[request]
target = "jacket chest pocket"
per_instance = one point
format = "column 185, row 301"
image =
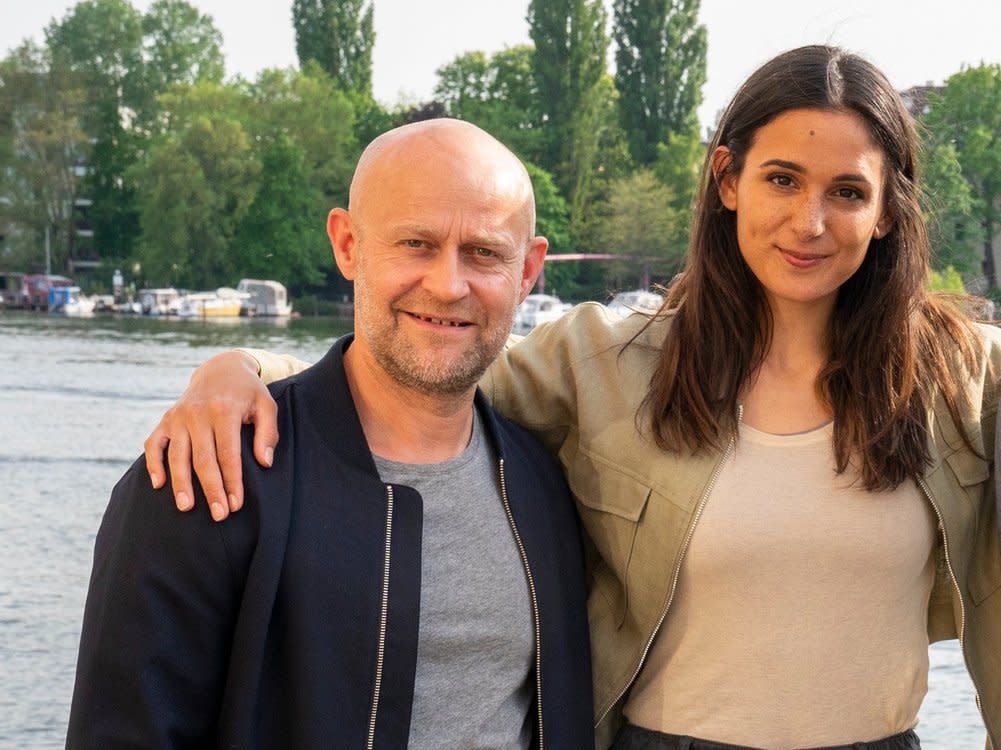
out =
column 977, row 484
column 611, row 505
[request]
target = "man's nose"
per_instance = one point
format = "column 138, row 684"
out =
column 446, row 276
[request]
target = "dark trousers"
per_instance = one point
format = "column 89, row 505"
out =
column 635, row 738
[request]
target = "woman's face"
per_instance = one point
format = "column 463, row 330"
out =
column 808, row 201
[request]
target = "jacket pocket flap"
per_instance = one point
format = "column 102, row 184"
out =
column 969, row 469
column 602, row 485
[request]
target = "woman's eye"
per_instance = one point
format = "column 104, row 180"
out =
column 782, row 180
column 850, row 193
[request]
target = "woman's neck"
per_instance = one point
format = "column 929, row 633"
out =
column 782, row 396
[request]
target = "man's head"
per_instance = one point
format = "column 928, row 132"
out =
column 439, row 241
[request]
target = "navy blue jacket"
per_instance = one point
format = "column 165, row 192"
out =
column 272, row 630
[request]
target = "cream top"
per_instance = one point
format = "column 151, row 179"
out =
column 799, row 618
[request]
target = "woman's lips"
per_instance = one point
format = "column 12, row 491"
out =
column 801, row 260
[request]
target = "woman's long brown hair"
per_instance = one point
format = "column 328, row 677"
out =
column 894, row 347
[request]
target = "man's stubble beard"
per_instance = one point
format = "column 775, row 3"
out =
column 425, row 369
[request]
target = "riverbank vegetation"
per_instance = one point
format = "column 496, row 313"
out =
column 123, row 144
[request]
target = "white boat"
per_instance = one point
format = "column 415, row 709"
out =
column 639, row 300
column 267, row 297
column 68, row 300
column 224, row 302
column 537, row 309
column 165, row 301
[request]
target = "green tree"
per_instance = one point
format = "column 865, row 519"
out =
column 660, row 68
column 308, row 107
column 498, row 93
column 126, row 61
column 181, row 46
column 949, row 212
column 552, row 217
column 677, row 167
column 946, row 280
column 641, row 224
column 282, row 235
column 42, row 148
column 195, row 190
column 967, row 114
column 339, row 35
column 101, row 41
column 571, row 48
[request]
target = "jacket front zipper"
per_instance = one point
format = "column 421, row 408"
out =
column 534, row 598
column 959, row 594
column 677, row 569
column 383, row 617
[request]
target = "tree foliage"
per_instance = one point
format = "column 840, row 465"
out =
column 181, row 46
column 498, row 93
column 641, row 224
column 126, row 61
column 339, row 35
column 308, row 107
column 571, row 47
column 282, row 235
column 43, row 148
column 949, row 212
column 967, row 115
column 194, row 191
column 660, row 68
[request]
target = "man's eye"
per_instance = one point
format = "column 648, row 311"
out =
column 413, row 243
column 483, row 252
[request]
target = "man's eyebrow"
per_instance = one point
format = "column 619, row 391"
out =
column 799, row 169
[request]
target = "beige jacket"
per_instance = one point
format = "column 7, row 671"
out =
column 576, row 385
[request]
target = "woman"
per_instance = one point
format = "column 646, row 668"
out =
column 784, row 474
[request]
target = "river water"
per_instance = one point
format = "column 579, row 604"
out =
column 77, row 398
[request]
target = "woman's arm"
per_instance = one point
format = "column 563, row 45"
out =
column 534, row 382
column 202, row 430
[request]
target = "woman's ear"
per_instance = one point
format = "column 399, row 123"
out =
column 726, row 181
column 883, row 227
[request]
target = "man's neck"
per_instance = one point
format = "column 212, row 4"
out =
column 405, row 425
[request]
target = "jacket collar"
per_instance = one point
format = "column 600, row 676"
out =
column 332, row 412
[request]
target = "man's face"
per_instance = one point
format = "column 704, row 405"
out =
column 440, row 251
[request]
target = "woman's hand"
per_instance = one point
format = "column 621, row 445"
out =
column 203, row 430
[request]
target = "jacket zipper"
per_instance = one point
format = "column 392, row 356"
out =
column 532, row 595
column 677, row 567
column 383, row 616
column 959, row 596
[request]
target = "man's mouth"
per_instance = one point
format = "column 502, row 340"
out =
column 441, row 321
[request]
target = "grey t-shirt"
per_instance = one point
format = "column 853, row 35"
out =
column 476, row 640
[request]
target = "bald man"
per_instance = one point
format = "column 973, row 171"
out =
column 408, row 573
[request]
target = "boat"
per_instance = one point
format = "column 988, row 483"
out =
column 68, row 300
column 267, row 297
column 163, row 301
column 224, row 302
column 638, row 300
column 537, row 309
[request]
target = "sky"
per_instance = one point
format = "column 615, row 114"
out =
column 913, row 41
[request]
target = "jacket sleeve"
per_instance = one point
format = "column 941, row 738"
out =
column 160, row 611
column 276, row 366
column 538, row 381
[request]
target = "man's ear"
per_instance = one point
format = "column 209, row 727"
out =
column 535, row 256
column 343, row 241
column 726, row 180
